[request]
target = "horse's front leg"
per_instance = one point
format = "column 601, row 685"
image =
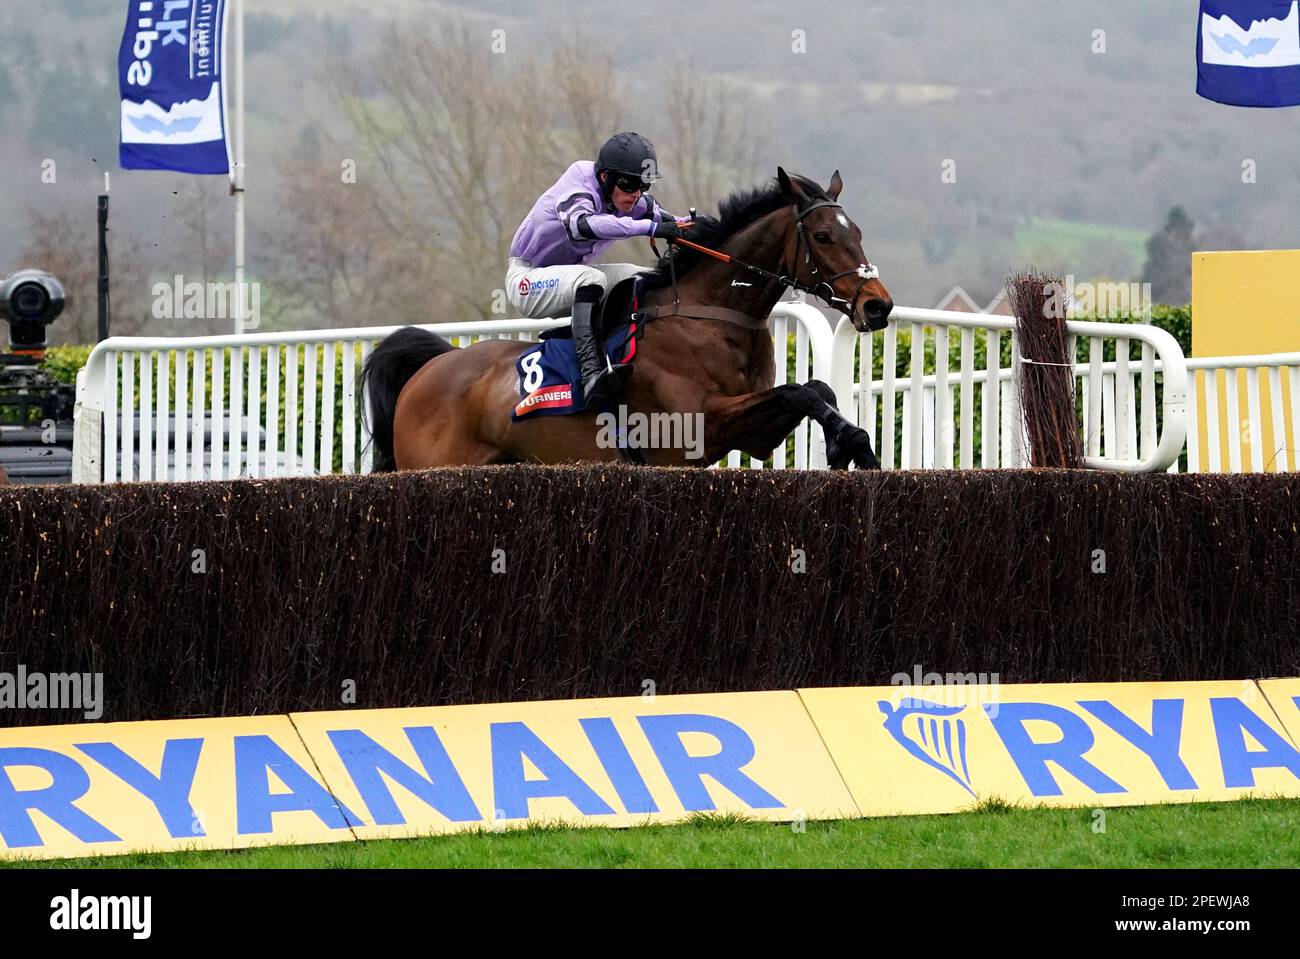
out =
column 757, row 423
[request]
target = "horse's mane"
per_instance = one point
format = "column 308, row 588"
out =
column 736, row 212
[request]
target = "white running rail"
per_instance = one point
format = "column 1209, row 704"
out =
column 277, row 404
column 288, row 404
column 1253, row 442
column 967, row 369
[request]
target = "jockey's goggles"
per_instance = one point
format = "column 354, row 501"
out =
column 631, row 184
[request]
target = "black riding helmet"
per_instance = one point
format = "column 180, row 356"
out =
column 629, row 154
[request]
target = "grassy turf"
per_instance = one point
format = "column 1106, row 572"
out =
column 1071, row 241
column 1245, row 833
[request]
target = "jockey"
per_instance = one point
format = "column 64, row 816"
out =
column 550, row 272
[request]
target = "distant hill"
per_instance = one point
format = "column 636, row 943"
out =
column 1063, row 155
column 1091, row 249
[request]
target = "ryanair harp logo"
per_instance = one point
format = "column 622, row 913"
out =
column 933, row 733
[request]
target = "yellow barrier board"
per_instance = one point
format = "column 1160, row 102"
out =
column 612, row 762
column 1242, row 305
column 1283, row 696
column 928, row 749
column 1242, row 302
column 103, row 789
column 111, row 788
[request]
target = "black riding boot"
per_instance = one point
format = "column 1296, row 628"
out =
column 601, row 381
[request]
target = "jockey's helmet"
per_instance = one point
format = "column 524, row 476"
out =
column 630, row 155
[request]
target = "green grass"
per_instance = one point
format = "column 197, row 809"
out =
column 1072, row 240
column 1245, row 833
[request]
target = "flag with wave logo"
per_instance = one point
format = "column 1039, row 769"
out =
column 1248, row 52
column 170, row 72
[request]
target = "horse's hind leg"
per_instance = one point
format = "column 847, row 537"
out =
column 758, row 422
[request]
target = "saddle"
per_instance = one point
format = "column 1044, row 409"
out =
column 615, row 310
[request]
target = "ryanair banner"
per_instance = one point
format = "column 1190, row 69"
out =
column 170, row 74
column 612, row 762
column 340, row 776
column 934, row 749
column 1248, row 52
column 101, row 789
column 104, row 789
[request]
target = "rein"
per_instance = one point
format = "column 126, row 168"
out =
column 864, row 270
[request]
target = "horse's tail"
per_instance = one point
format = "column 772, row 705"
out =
column 394, row 361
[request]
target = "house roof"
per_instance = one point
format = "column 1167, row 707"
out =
column 959, row 301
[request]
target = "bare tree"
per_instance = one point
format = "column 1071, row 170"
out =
column 453, row 142
column 462, row 140
column 197, row 220
column 589, row 95
column 337, row 259
column 712, row 146
column 64, row 244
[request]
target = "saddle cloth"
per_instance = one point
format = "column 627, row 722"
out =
column 550, row 378
column 550, row 381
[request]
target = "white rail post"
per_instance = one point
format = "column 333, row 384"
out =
column 1173, row 368
column 88, row 422
column 821, row 347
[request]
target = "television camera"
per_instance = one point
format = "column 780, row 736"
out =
column 35, row 410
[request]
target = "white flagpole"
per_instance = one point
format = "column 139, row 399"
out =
column 237, row 151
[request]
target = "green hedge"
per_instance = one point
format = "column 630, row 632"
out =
column 63, row 362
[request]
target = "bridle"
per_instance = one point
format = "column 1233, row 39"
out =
column 813, row 263
column 864, row 270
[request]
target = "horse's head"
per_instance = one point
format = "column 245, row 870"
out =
column 828, row 258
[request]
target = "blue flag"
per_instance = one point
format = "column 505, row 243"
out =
column 1248, row 52
column 170, row 72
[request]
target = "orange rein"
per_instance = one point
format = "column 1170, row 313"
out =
column 724, row 257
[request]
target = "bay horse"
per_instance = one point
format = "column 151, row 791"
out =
column 707, row 350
